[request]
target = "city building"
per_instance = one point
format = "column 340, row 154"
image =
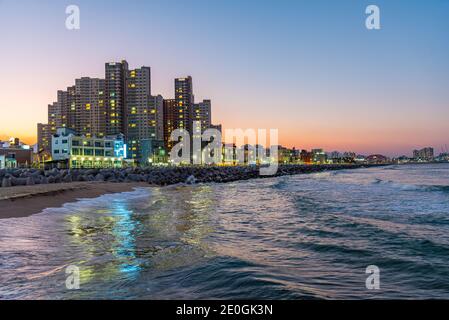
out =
column 89, row 114
column 169, row 116
column 16, row 156
column 115, row 99
column 425, row 154
column 144, row 113
column 43, row 137
column 443, row 157
column 72, row 151
column 285, row 155
column 319, row 156
column 153, row 152
column 306, row 156
column 55, row 116
column 377, row 159
column 184, row 103
column 202, row 113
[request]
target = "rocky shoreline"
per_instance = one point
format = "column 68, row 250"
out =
column 160, row 176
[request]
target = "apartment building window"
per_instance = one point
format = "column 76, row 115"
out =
column 99, row 152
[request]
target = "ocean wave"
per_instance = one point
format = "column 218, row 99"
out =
column 439, row 188
column 100, row 202
column 397, row 185
column 412, row 187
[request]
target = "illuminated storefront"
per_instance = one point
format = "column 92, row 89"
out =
column 88, row 152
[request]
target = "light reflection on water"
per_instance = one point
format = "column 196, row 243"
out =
column 306, row 236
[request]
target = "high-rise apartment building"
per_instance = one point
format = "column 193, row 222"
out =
column 115, row 99
column 169, row 120
column 43, row 138
column 55, row 116
column 202, row 113
column 184, row 102
column 90, row 113
column 60, row 113
column 144, row 113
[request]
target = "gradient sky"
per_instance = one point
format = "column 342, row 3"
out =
column 309, row 68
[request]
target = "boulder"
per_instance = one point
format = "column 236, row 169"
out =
column 99, row 177
column 30, row 181
column 191, row 179
column 6, row 182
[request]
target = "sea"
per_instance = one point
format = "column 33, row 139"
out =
column 312, row 236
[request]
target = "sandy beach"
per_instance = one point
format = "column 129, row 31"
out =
column 23, row 201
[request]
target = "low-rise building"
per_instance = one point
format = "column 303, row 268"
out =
column 16, row 156
column 377, row 159
column 306, row 157
column 72, row 151
column 319, row 156
column 425, row 154
column 152, row 152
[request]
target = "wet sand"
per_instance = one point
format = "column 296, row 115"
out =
column 23, row 201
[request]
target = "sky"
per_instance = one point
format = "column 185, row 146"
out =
column 308, row 68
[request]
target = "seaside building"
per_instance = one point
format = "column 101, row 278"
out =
column 319, row 156
column 144, row 114
column 184, row 102
column 89, row 114
column 43, row 138
column 72, row 151
column 202, row 113
column 55, row 116
column 376, row 159
column 285, row 155
column 16, row 156
column 443, row 157
column 169, row 116
column 306, row 156
column 115, row 99
column 425, row 154
column 153, row 152
column 61, row 113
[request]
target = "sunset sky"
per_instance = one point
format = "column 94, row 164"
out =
column 309, row 68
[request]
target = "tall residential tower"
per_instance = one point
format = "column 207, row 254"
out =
column 115, row 91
